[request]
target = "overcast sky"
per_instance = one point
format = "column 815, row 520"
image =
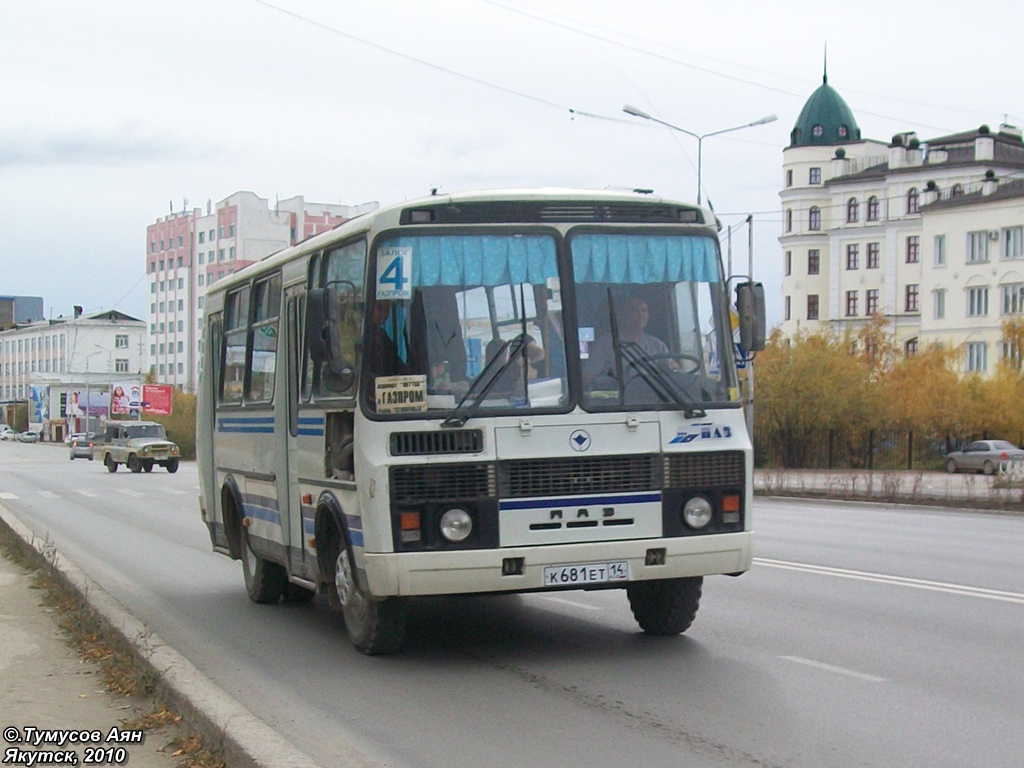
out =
column 115, row 109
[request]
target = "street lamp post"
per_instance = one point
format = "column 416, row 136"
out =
column 636, row 112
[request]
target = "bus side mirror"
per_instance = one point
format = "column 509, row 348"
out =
column 325, row 309
column 750, row 308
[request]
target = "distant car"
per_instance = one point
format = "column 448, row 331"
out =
column 28, row 436
column 983, row 456
column 6, row 433
column 81, row 446
column 140, row 445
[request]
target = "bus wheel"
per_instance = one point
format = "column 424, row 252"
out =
column 134, row 464
column 111, row 464
column 264, row 581
column 666, row 606
column 374, row 626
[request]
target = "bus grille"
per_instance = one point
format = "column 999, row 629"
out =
column 694, row 470
column 436, row 443
column 594, row 474
column 442, row 482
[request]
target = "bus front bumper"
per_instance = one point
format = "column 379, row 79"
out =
column 522, row 569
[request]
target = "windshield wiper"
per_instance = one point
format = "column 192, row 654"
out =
column 663, row 385
column 462, row 412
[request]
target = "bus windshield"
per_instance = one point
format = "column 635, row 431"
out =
column 474, row 323
column 653, row 324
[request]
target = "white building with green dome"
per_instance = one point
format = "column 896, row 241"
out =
column 926, row 233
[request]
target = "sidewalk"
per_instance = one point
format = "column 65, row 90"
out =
column 46, row 686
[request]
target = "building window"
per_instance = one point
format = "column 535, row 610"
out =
column 851, row 303
column 853, row 256
column 812, row 307
column 121, row 341
column 1013, row 243
column 871, row 302
column 789, row 178
column 121, row 365
column 220, row 254
column 873, row 251
column 789, row 263
column 911, row 295
column 977, row 247
column 913, row 201
column 1013, row 298
column 913, row 249
column 872, row 208
column 200, row 278
column 813, row 261
column 202, row 237
column 910, row 348
column 957, row 191
column 940, row 250
column 1012, row 354
column 817, row 130
column 201, row 257
column 220, row 231
column 789, row 220
column 814, row 218
column 939, row 299
column 977, row 302
column 814, row 177
column 852, row 210
column 788, row 305
column 231, row 253
column 977, row 357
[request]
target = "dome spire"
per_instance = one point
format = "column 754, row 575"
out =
column 824, row 78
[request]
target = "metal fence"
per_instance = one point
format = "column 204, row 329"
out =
column 857, row 448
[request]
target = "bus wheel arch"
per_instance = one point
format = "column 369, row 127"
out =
column 375, row 626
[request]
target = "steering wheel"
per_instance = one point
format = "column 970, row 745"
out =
column 695, row 363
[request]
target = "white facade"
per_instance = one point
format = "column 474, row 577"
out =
column 46, row 361
column 892, row 236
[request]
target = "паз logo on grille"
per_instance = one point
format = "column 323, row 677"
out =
column 579, row 440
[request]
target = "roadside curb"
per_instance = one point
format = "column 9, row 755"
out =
column 227, row 726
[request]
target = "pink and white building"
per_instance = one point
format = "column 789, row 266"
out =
column 190, row 250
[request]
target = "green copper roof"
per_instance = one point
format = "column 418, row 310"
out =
column 825, row 119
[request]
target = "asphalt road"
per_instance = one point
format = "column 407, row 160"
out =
column 864, row 636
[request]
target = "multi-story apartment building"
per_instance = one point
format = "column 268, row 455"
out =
column 188, row 251
column 53, row 364
column 925, row 233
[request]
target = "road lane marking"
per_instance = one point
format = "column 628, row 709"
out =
column 5, row 495
column 49, row 495
column 899, row 581
column 130, row 492
column 89, row 494
column 835, row 669
column 572, row 603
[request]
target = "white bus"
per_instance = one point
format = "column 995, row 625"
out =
column 482, row 393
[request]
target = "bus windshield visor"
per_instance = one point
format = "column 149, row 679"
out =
column 654, row 325
column 469, row 320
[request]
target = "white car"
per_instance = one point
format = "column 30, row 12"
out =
column 6, row 433
column 28, row 436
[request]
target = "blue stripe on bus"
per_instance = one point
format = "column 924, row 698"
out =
column 311, row 432
column 312, row 426
column 251, row 425
column 574, row 501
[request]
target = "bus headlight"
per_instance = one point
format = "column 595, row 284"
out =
column 456, row 525
column 697, row 512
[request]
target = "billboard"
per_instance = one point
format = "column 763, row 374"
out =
column 125, row 399
column 157, row 398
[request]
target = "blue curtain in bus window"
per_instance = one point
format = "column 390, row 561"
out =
column 479, row 259
column 644, row 259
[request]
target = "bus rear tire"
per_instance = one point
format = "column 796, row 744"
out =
column 375, row 627
column 264, row 581
column 665, row 606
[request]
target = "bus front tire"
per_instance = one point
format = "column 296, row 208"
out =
column 665, row 606
column 264, row 581
column 375, row 627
